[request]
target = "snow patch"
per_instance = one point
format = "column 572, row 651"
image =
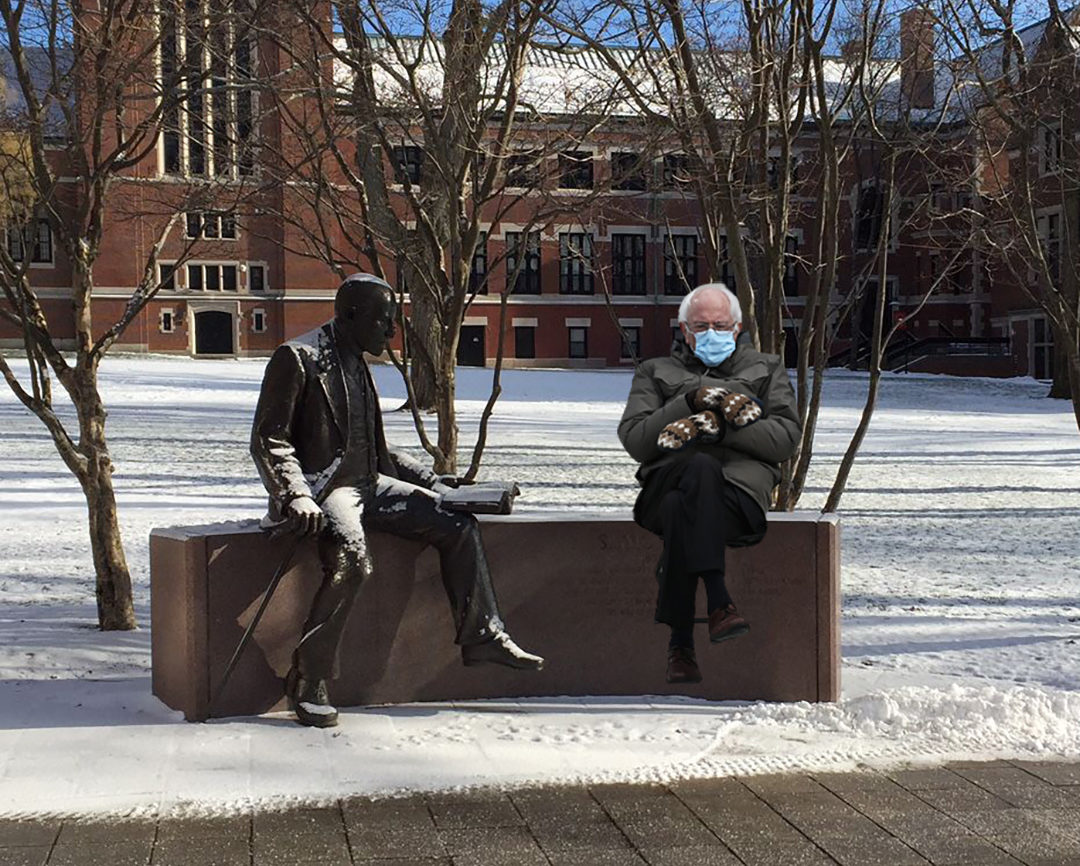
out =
column 960, row 624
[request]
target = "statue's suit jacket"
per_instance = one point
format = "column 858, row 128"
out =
column 301, row 423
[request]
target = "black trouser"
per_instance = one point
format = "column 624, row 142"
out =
column 408, row 511
column 697, row 512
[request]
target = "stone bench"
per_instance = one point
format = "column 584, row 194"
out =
column 578, row 588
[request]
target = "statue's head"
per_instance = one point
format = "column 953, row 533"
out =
column 364, row 309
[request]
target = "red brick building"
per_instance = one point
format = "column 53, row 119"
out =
column 245, row 286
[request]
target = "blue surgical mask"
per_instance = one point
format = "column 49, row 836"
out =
column 714, row 347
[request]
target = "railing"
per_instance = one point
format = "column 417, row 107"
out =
column 905, row 350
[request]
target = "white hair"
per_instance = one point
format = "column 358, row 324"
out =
column 736, row 307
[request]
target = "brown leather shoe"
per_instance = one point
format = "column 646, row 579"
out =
column 682, row 665
column 726, row 623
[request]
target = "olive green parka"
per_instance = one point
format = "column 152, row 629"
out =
column 750, row 455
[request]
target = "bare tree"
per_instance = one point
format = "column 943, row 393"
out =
column 87, row 106
column 1020, row 84
column 410, row 131
column 763, row 120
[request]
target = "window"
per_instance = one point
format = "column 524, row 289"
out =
column 167, row 276
column 868, row 218
column 627, row 171
column 631, row 343
column 408, row 164
column 256, row 278
column 575, row 264
column 524, row 341
column 772, row 171
column 211, row 226
column 35, row 236
column 211, row 278
column 170, row 88
column 725, row 261
column 676, row 171
column 1042, row 349
column 791, row 266
column 210, row 73
column 933, row 269
column 528, row 279
column 523, row 169
column 1049, row 148
column 576, row 169
column 192, row 72
column 940, row 198
column 478, row 169
column 258, row 321
column 579, row 342
column 627, row 264
column 680, row 264
column 244, row 61
column 1049, row 228
column 478, row 271
column 165, row 321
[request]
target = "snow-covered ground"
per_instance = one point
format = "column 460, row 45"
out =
column 960, row 623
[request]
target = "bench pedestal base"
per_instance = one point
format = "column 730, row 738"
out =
column 579, row 590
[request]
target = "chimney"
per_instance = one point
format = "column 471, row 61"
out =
column 917, row 57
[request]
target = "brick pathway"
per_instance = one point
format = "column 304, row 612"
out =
column 985, row 814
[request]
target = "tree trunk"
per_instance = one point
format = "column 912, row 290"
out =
column 445, row 389
column 116, row 611
column 1060, row 388
column 424, row 347
column 1072, row 359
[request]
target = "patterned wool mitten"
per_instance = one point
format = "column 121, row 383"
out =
column 738, row 409
column 703, row 425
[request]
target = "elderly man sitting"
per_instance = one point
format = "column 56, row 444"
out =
column 709, row 425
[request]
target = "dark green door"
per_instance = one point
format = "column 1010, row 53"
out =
column 470, row 350
column 213, row 333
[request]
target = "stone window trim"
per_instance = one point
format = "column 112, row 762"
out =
column 577, row 340
column 210, row 277
column 255, row 272
column 407, row 161
column 576, row 263
column 524, row 339
column 577, row 169
column 211, row 225
column 1049, row 147
column 213, row 132
column 680, row 261
column 35, row 235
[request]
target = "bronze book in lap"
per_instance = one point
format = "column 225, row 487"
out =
column 484, row 497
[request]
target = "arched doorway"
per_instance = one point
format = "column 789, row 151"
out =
column 214, row 333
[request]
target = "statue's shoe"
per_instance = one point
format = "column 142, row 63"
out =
column 500, row 650
column 309, row 700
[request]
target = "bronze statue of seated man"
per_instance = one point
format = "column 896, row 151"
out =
column 319, row 445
